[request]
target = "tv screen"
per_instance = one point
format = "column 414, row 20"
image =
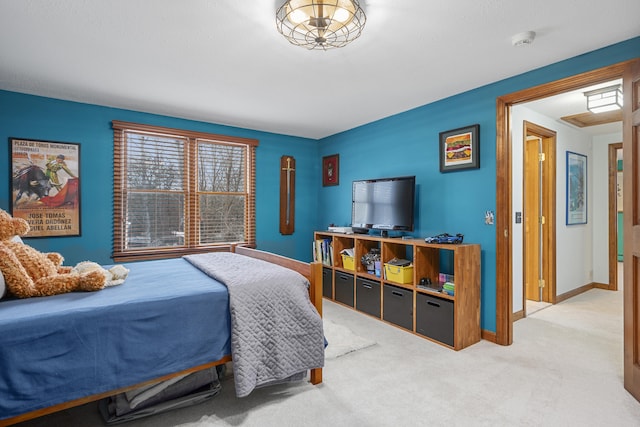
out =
column 383, row 204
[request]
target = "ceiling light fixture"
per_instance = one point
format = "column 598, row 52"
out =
column 605, row 99
column 320, row 24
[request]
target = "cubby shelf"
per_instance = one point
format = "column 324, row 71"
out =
column 449, row 320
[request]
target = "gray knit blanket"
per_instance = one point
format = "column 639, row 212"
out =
column 276, row 332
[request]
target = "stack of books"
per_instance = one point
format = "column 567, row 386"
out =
column 323, row 251
column 448, row 288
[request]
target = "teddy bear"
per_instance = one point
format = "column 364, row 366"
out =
column 30, row 273
column 115, row 275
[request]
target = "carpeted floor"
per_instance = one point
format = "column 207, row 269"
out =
column 564, row 368
column 535, row 306
column 342, row 341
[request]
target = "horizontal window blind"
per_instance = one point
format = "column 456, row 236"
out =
column 222, row 192
column 178, row 192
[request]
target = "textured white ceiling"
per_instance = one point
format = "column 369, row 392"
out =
column 223, row 61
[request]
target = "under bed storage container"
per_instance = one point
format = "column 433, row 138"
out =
column 152, row 399
column 398, row 306
column 344, row 288
column 368, row 296
column 434, row 318
column 327, row 282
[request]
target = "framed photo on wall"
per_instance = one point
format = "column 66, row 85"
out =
column 330, row 170
column 45, row 186
column 460, row 149
column 576, row 188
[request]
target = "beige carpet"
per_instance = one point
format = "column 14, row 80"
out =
column 564, row 369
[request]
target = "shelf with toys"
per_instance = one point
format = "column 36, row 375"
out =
column 401, row 281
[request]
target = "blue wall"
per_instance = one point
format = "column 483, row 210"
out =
column 33, row 117
column 407, row 144
column 403, row 144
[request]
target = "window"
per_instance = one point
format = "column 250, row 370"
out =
column 178, row 192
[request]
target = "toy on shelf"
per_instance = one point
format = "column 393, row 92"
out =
column 445, row 238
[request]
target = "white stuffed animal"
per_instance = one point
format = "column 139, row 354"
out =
column 115, row 275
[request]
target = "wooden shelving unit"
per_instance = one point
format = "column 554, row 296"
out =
column 452, row 321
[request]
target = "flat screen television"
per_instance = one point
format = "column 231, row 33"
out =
column 383, row 204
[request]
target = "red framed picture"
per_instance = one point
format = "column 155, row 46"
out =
column 45, row 185
column 330, row 170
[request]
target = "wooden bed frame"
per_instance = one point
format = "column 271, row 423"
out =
column 313, row 273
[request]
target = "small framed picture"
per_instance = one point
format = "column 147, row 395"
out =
column 45, row 186
column 460, row 149
column 576, row 188
column 330, row 170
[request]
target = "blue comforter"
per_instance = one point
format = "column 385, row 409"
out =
column 166, row 317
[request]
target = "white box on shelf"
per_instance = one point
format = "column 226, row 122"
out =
column 346, row 230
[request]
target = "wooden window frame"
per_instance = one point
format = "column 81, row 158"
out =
column 120, row 253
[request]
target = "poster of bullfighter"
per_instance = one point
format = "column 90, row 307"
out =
column 45, row 183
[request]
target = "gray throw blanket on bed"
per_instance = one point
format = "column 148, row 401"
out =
column 276, row 332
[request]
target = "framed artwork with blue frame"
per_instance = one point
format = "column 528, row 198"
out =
column 576, row 188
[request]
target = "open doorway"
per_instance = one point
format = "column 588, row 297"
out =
column 506, row 195
column 629, row 71
column 558, row 123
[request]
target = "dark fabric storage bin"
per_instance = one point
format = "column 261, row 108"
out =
column 344, row 288
column 368, row 296
column 434, row 318
column 398, row 306
column 327, row 282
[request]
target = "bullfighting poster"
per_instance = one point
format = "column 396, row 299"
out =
column 45, row 183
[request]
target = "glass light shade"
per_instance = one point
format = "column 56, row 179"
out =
column 320, row 24
column 605, row 99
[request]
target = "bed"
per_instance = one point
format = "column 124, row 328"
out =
column 168, row 318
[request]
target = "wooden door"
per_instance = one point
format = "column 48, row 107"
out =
column 539, row 252
column 631, row 200
column 533, row 251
